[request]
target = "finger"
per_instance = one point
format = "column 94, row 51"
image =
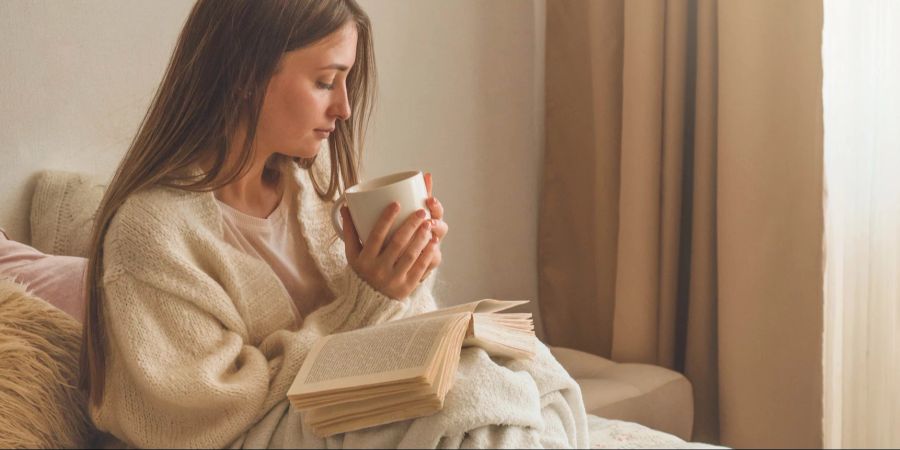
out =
column 352, row 246
column 435, row 262
column 427, row 274
column 417, row 271
column 428, row 182
column 375, row 241
column 435, row 208
column 439, row 228
column 410, row 253
column 401, row 238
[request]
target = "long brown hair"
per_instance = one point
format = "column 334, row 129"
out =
column 217, row 78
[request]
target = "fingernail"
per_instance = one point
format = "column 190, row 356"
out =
column 420, row 213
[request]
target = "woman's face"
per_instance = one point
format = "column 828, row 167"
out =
column 307, row 93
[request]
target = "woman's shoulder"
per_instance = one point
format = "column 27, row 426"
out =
column 160, row 202
column 163, row 212
column 158, row 226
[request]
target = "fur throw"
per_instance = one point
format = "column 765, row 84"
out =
column 40, row 405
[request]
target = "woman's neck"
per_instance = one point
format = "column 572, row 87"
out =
column 257, row 193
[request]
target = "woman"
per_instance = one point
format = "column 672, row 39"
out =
column 212, row 268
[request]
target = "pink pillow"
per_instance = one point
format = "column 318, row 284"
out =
column 57, row 279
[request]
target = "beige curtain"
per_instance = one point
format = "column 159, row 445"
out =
column 681, row 213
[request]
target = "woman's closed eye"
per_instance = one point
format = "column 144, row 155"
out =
column 322, row 85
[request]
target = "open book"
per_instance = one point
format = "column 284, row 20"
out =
column 402, row 369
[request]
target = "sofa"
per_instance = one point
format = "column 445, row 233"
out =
column 40, row 340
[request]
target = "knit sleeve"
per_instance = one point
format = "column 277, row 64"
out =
column 181, row 372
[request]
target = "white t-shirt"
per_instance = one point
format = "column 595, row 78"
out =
column 277, row 240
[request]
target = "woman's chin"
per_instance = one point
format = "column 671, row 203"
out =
column 304, row 152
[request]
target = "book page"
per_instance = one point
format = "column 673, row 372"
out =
column 509, row 335
column 490, row 305
column 388, row 347
column 484, row 306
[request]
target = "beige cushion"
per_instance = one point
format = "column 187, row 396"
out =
column 62, row 212
column 40, row 407
column 652, row 396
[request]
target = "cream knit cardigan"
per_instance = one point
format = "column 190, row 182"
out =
column 203, row 340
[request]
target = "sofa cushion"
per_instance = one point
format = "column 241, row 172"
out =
column 650, row 395
column 57, row 279
column 62, row 212
column 40, row 406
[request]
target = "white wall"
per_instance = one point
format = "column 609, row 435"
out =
column 461, row 95
column 75, row 81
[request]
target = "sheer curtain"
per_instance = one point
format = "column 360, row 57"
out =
column 861, row 95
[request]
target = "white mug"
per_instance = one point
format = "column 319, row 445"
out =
column 367, row 201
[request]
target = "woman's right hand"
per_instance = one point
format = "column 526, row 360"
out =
column 396, row 268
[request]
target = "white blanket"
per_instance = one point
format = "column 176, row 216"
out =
column 619, row 434
column 494, row 403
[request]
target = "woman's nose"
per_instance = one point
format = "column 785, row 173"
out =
column 340, row 108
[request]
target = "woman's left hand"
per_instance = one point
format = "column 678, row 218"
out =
column 439, row 228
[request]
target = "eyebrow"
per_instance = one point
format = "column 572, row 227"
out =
column 340, row 67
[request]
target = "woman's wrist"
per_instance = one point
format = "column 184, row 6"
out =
column 369, row 306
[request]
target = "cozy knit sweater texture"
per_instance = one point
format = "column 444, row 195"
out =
column 279, row 242
column 203, row 339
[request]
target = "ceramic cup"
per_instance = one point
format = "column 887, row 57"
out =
column 367, row 201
